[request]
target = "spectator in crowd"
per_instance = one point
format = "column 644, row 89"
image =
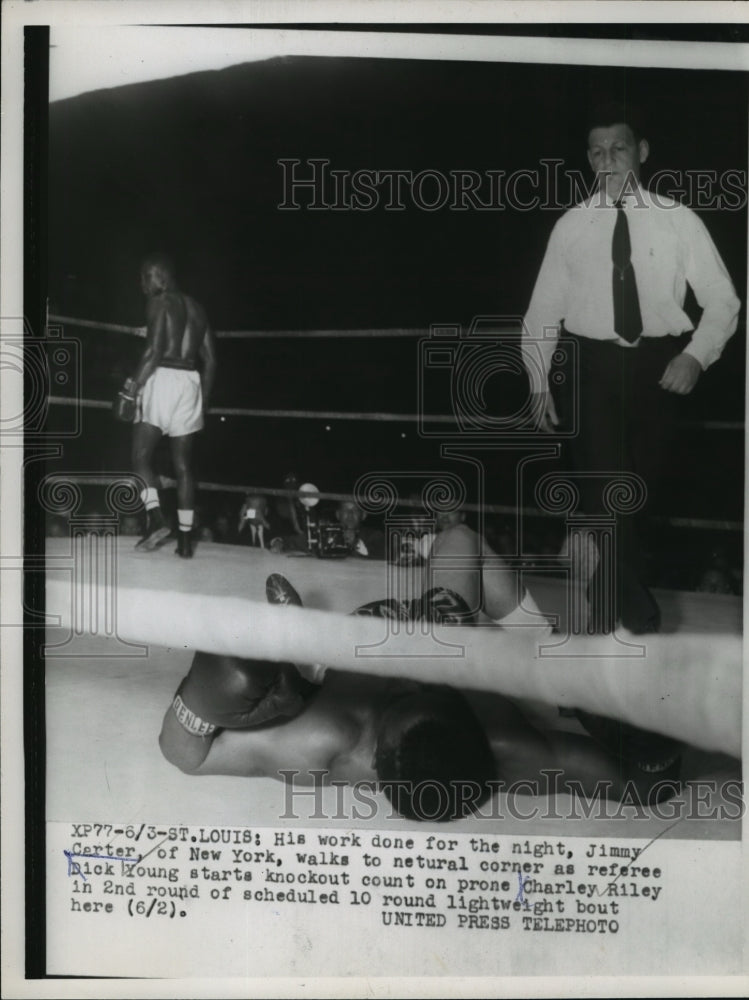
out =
column 715, row 581
column 290, row 510
column 417, row 534
column 222, row 529
column 255, row 526
column 449, row 518
column 292, row 515
column 718, row 576
column 363, row 540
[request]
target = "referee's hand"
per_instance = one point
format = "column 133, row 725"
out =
column 545, row 411
column 681, row 374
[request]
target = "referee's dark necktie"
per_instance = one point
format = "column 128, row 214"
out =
column 627, row 318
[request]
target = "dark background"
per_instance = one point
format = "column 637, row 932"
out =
column 190, row 165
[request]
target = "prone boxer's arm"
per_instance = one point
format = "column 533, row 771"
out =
column 209, row 365
column 224, row 693
column 228, row 751
column 155, row 342
column 585, row 767
column 180, row 748
column 527, row 757
column 308, row 745
column 240, row 753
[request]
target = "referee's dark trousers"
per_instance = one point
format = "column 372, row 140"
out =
column 625, row 423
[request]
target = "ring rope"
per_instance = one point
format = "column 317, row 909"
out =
column 140, row 331
column 234, row 411
column 389, row 333
column 400, row 418
column 682, row 685
column 507, row 509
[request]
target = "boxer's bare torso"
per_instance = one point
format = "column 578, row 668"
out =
column 177, row 333
column 178, row 325
column 337, row 734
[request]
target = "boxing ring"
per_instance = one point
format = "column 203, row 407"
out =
column 122, row 626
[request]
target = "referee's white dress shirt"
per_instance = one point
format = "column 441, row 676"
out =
column 670, row 247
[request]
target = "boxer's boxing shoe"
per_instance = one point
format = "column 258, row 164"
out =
column 292, row 690
column 184, row 545
column 278, row 590
column 157, row 531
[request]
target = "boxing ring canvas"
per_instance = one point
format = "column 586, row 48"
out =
column 107, row 760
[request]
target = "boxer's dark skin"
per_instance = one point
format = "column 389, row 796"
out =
column 177, row 330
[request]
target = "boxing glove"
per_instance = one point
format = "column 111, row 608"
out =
column 438, row 605
column 443, row 607
column 224, row 692
column 125, row 405
column 386, row 608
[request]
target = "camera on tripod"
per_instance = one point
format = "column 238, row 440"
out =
column 326, row 539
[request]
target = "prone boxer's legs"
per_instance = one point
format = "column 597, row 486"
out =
column 455, row 564
column 501, row 587
column 463, row 562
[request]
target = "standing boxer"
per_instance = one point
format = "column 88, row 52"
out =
column 174, row 396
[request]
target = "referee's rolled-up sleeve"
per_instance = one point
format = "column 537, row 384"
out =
column 714, row 291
